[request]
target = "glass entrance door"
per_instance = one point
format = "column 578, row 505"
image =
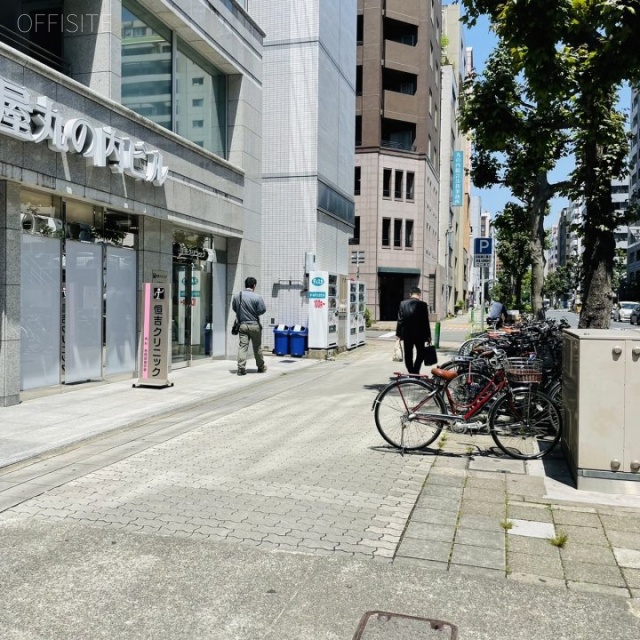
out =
column 191, row 311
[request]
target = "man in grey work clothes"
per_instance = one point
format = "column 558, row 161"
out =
column 249, row 306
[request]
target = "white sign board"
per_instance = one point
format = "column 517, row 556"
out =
column 482, row 260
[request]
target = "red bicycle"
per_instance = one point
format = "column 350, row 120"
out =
column 411, row 411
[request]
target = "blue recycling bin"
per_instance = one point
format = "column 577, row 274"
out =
column 298, row 339
column 281, row 340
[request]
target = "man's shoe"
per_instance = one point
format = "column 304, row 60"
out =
column 262, row 369
column 242, row 372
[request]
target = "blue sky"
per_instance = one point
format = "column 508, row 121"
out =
column 493, row 200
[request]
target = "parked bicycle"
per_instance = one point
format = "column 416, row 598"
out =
column 412, row 410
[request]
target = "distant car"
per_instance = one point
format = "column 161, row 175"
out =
column 623, row 312
column 634, row 318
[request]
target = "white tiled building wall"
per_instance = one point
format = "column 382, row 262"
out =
column 308, row 135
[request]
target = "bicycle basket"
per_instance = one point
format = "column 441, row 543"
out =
column 524, row 370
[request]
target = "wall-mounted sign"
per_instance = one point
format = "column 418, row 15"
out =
column 181, row 250
column 456, row 181
column 30, row 118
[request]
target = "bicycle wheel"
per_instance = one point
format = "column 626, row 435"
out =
column 525, row 424
column 400, row 410
column 468, row 345
column 464, row 389
column 555, row 394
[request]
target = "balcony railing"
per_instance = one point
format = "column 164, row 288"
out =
column 393, row 144
column 22, row 44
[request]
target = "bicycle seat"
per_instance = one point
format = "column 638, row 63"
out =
column 445, row 374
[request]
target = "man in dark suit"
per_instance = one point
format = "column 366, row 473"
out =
column 413, row 329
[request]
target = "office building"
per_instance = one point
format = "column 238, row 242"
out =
column 130, row 153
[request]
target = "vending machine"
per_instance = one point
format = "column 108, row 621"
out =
column 362, row 307
column 323, row 310
column 351, row 314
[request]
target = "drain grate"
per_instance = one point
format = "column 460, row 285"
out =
column 382, row 625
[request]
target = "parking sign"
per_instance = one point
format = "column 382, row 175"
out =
column 483, row 246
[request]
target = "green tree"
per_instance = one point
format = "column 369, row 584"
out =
column 513, row 248
column 518, row 140
column 578, row 53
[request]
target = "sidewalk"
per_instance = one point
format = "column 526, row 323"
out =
column 54, row 421
column 151, row 528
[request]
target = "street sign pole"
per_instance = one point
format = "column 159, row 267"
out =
column 481, row 299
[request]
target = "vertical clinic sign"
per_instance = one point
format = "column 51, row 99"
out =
column 457, row 179
column 153, row 360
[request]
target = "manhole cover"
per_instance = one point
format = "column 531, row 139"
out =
column 382, row 625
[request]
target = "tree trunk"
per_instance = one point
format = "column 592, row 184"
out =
column 597, row 260
column 599, row 245
column 537, row 214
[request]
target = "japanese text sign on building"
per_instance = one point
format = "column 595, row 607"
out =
column 153, row 355
column 457, row 179
column 36, row 119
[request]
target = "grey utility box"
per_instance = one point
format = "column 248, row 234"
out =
column 601, row 396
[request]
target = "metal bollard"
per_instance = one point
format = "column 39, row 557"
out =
column 436, row 340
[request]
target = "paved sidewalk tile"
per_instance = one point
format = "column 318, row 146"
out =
column 526, row 563
column 632, row 576
column 434, row 516
column 531, row 529
column 445, row 480
column 488, row 539
column 575, row 552
column 428, row 531
column 492, row 509
column 593, row 573
column 484, row 495
column 504, row 465
column 533, row 546
column 628, row 558
column 624, row 539
column 592, row 587
column 478, row 556
column 479, row 572
column 562, row 516
column 520, row 511
column 621, row 522
column 480, row 523
column 585, row 535
column 425, row 549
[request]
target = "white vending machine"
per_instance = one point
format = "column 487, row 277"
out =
column 323, row 310
column 351, row 314
column 362, row 307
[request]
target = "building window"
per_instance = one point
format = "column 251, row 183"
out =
column 358, row 131
column 356, row 181
column 410, row 182
column 356, row 231
column 408, row 234
column 386, row 232
column 398, row 190
column 197, row 124
column 359, row 80
column 397, row 233
column 359, row 28
column 386, row 183
column 159, row 80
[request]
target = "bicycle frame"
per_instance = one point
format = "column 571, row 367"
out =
column 495, row 385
